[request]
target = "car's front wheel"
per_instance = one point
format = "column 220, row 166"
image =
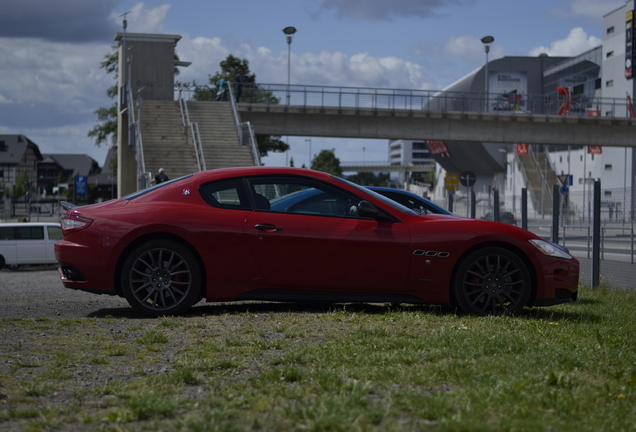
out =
column 492, row 281
column 161, row 277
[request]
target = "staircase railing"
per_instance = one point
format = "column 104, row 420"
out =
column 244, row 130
column 518, row 162
column 194, row 132
column 545, row 188
column 134, row 139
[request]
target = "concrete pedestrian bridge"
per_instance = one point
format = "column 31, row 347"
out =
column 347, row 112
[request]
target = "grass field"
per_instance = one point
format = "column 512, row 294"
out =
column 354, row 367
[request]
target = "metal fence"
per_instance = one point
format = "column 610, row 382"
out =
column 572, row 225
column 432, row 100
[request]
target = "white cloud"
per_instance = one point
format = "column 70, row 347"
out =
column 471, row 49
column 576, row 43
column 324, row 68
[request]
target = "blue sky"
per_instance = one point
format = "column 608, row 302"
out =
column 50, row 51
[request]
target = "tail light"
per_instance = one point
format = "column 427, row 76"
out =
column 74, row 222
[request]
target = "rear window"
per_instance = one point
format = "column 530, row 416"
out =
column 229, row 194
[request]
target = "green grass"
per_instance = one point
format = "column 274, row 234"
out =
column 354, row 367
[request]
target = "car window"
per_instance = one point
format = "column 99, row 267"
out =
column 408, row 202
column 301, row 195
column 229, row 194
column 396, row 205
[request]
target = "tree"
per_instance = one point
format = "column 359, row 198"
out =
column 105, row 129
column 326, row 161
column 251, row 91
column 22, row 185
column 106, row 126
column 370, row 179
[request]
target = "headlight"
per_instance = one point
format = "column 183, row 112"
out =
column 550, row 249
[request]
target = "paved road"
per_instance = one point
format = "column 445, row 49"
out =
column 39, row 293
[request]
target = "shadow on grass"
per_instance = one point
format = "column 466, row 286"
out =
column 239, row 308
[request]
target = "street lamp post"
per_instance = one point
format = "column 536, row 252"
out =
column 289, row 32
column 487, row 40
column 309, row 141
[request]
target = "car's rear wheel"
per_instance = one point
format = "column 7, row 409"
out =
column 492, row 281
column 161, row 277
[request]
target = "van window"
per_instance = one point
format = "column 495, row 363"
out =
column 31, row 233
column 55, row 233
column 7, row 233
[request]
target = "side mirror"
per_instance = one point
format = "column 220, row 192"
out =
column 367, row 210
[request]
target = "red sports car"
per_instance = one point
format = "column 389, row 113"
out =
column 224, row 235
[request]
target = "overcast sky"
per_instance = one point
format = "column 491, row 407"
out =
column 50, row 51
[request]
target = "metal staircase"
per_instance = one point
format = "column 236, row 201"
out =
column 205, row 138
column 540, row 177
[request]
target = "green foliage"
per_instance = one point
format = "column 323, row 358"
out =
column 326, row 161
column 105, row 130
column 252, row 92
column 22, row 185
column 370, row 179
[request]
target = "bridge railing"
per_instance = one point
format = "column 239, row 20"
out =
column 432, row 100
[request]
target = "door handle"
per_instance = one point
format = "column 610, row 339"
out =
column 268, row 228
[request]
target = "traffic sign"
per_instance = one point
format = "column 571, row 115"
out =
column 451, row 181
column 81, row 184
column 467, row 178
column 564, row 190
column 565, row 179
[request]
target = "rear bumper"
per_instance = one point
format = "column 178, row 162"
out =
column 88, row 271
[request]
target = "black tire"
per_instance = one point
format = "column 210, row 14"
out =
column 492, row 281
column 1, row 262
column 161, row 277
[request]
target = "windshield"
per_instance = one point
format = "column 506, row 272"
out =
column 151, row 188
column 377, row 196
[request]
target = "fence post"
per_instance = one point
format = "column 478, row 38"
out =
column 596, row 235
column 555, row 213
column 524, row 208
column 495, row 205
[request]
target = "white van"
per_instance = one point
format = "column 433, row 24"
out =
column 28, row 243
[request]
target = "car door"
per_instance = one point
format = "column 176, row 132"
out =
column 318, row 242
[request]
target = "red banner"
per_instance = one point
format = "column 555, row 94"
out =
column 594, row 150
column 522, row 149
column 438, row 147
